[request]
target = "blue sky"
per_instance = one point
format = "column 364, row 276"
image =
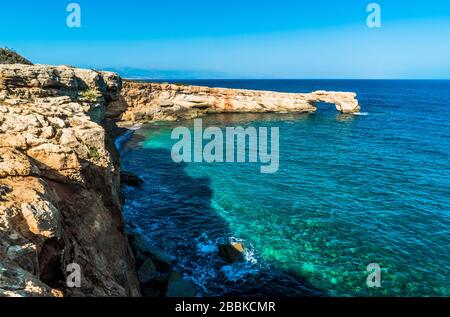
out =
column 248, row 39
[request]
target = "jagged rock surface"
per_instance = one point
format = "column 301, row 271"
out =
column 59, row 185
column 143, row 102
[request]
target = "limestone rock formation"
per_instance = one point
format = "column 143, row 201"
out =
column 59, row 185
column 143, row 102
column 60, row 201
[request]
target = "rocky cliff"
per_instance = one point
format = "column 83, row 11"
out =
column 60, row 175
column 59, row 185
column 143, row 102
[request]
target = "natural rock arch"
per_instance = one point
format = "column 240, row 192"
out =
column 142, row 102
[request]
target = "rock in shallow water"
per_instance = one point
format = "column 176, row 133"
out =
column 143, row 251
column 179, row 287
column 156, row 275
column 233, row 252
column 162, row 261
column 130, row 179
column 147, row 272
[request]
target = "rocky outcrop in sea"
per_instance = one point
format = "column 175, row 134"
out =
column 144, row 102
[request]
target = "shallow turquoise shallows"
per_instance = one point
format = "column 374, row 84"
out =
column 351, row 190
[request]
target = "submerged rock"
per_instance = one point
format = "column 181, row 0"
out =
column 143, row 251
column 180, row 287
column 147, row 272
column 163, row 261
column 155, row 270
column 150, row 291
column 233, row 252
column 130, row 179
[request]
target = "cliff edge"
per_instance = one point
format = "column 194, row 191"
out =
column 59, row 185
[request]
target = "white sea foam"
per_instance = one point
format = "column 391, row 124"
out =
column 121, row 139
column 249, row 251
column 208, row 247
column 238, row 271
column 361, row 113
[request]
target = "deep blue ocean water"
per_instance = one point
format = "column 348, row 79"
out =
column 351, row 190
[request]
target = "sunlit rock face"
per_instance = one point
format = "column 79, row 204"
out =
column 142, row 102
column 59, row 184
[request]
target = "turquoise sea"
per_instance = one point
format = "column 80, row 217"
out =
column 351, row 190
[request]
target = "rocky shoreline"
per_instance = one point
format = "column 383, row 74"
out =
column 60, row 199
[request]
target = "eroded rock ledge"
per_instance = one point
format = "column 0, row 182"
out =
column 59, row 185
column 154, row 101
column 60, row 173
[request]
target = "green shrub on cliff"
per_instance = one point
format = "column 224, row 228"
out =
column 90, row 95
column 8, row 56
column 93, row 153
